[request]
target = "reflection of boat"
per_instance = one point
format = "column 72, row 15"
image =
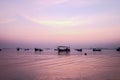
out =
column 78, row 49
column 96, row 49
column 63, row 48
column 63, row 52
column 118, row 49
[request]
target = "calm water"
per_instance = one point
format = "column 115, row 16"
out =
column 49, row 65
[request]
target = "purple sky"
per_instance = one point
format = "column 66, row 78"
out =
column 49, row 23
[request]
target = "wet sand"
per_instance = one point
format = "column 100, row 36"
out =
column 59, row 67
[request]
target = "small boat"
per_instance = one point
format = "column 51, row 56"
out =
column 0, row 49
column 118, row 49
column 97, row 49
column 78, row 49
column 18, row 49
column 27, row 49
column 55, row 49
column 63, row 48
column 36, row 49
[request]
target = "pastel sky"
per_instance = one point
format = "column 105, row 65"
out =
column 49, row 23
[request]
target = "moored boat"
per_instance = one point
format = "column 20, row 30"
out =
column 78, row 49
column 63, row 48
column 118, row 49
column 97, row 49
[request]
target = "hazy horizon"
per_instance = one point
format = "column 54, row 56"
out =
column 50, row 23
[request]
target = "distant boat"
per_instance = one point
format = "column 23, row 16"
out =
column 55, row 49
column 27, row 49
column 36, row 49
column 0, row 49
column 18, row 49
column 118, row 49
column 78, row 49
column 97, row 49
column 63, row 48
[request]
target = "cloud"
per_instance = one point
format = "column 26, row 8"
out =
column 58, row 22
column 80, row 20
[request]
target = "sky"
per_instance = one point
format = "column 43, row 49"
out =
column 50, row 23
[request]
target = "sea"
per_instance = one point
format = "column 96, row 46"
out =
column 53, row 65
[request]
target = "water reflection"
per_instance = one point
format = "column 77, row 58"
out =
column 38, row 52
column 101, row 66
column 64, row 53
column 97, row 52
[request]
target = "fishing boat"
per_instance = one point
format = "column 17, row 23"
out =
column 36, row 49
column 78, row 49
column 97, row 49
column 118, row 49
column 63, row 48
